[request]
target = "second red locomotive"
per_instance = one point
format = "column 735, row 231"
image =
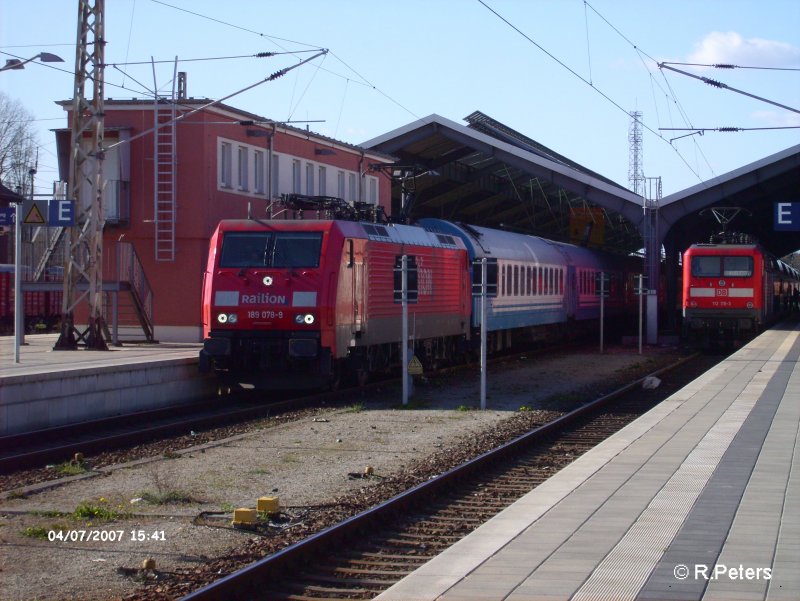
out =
column 731, row 291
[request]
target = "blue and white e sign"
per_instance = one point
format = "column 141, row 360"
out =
column 787, row 217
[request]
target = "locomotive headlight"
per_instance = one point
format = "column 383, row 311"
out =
column 267, row 280
column 749, row 305
column 232, row 318
column 222, row 318
column 306, row 318
column 227, row 318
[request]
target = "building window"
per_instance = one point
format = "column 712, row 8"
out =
column 351, row 182
column 225, row 172
column 258, row 171
column 243, row 180
column 274, row 175
column 340, row 181
column 310, row 179
column 323, row 188
column 296, row 176
column 372, row 197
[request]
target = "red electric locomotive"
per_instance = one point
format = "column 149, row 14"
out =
column 303, row 302
column 732, row 291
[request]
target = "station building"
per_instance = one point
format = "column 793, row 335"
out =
column 167, row 188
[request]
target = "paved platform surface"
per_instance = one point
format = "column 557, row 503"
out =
column 38, row 356
column 697, row 499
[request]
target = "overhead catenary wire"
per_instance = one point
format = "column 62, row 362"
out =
column 584, row 80
column 731, row 66
column 640, row 52
column 274, row 76
column 719, row 84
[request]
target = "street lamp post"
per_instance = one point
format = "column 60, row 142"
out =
column 45, row 57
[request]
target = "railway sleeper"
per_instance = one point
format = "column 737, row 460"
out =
column 372, row 555
column 337, row 569
column 402, row 562
column 322, row 582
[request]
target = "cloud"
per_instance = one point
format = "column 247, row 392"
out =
column 731, row 47
column 776, row 119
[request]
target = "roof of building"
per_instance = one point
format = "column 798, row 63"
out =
column 237, row 116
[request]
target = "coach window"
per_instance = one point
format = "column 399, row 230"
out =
column 516, row 280
column 737, row 267
column 528, row 280
column 508, row 280
column 503, row 282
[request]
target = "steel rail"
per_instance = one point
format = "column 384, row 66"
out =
column 252, row 579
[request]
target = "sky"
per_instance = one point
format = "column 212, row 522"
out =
column 563, row 72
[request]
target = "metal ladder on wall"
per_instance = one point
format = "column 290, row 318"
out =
column 164, row 149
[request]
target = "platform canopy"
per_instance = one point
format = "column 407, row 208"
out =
column 745, row 196
column 485, row 173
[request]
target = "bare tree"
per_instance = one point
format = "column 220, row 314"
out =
column 18, row 144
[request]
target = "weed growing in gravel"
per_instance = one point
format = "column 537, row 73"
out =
column 167, row 498
column 36, row 532
column 70, row 468
column 226, row 508
column 100, row 511
column 15, row 494
column 465, row 408
column 525, row 408
column 355, row 408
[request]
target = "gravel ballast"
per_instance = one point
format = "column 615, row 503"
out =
column 176, row 507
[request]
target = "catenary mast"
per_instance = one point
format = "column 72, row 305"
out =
column 84, row 260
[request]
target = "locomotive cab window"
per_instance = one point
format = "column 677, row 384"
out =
column 706, row 267
column 729, row 267
column 268, row 249
column 733, row 267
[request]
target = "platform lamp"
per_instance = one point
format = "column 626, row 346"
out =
column 45, row 57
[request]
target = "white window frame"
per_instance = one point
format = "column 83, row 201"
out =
column 340, row 189
column 258, row 172
column 296, row 179
column 352, row 187
column 372, row 190
column 243, row 179
column 323, row 183
column 225, row 165
column 310, row 179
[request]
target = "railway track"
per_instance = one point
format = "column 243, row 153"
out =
column 35, row 449
column 60, row 444
column 364, row 555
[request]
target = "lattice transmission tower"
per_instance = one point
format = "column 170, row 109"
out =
column 635, row 155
